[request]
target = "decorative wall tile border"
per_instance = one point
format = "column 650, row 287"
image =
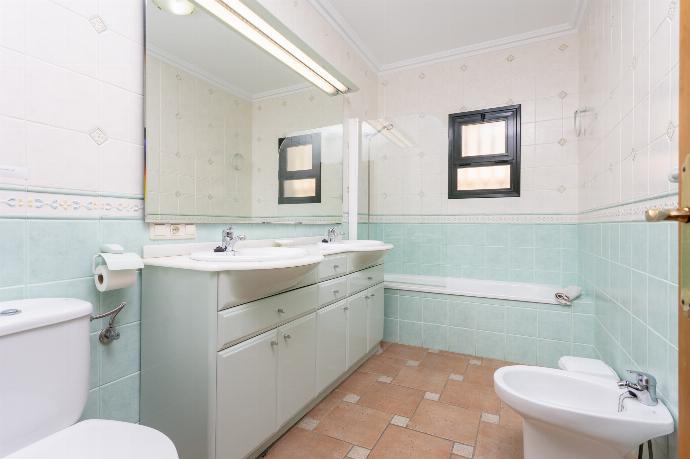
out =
column 628, row 212
column 517, row 218
column 49, row 205
column 302, row 220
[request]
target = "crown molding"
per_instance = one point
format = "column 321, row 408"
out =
column 330, row 13
column 281, row 92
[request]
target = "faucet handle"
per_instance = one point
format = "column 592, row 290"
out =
column 643, row 379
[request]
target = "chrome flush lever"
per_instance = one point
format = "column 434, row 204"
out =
column 109, row 333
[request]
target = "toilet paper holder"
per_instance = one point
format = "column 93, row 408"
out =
column 109, row 333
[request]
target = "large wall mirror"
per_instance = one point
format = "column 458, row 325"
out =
column 234, row 133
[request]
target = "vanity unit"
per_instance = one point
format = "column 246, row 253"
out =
column 223, row 377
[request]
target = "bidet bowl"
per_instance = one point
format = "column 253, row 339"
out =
column 577, row 414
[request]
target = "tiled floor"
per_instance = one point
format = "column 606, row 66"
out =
column 408, row 402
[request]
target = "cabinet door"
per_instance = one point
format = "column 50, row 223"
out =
column 296, row 366
column 331, row 344
column 246, row 395
column 356, row 328
column 374, row 299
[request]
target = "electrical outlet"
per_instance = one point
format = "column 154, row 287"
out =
column 174, row 231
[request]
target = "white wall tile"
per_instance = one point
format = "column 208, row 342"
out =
column 121, row 113
column 121, row 61
column 60, row 97
column 124, row 17
column 12, row 83
column 12, row 24
column 121, row 168
column 13, row 150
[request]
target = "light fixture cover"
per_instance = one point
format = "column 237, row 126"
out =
column 178, row 7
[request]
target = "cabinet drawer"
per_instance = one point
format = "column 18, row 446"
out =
column 251, row 318
column 333, row 266
column 361, row 280
column 332, row 291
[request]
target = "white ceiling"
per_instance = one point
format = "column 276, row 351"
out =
column 396, row 33
column 204, row 45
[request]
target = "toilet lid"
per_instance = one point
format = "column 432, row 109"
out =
column 97, row 438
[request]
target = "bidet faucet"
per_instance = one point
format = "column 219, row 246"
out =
column 332, row 234
column 643, row 388
column 229, row 239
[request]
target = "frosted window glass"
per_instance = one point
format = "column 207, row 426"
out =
column 299, row 158
column 484, row 178
column 302, row 188
column 484, row 139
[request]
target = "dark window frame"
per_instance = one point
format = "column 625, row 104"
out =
column 315, row 172
column 511, row 115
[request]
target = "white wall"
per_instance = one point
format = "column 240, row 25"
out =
column 541, row 76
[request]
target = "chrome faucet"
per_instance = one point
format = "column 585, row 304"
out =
column 229, row 239
column 332, row 234
column 643, row 388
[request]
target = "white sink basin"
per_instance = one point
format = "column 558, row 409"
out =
column 251, row 255
column 575, row 416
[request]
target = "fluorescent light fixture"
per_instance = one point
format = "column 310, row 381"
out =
column 238, row 16
column 178, row 7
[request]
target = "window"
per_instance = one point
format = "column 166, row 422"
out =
column 484, row 153
column 299, row 169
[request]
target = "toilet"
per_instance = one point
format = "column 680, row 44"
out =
column 44, row 385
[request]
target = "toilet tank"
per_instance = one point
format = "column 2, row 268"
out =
column 44, row 368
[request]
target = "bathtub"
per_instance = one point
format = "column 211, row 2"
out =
column 501, row 290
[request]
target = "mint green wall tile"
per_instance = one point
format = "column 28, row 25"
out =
column 585, row 350
column 92, row 408
column 461, row 340
column 671, row 376
column 491, row 318
column 61, row 249
column 522, row 275
column 490, row 344
column 83, row 289
column 523, row 322
column 132, row 234
column 521, row 258
column 569, row 236
column 461, row 314
column 625, row 252
column 547, row 277
column 12, row 252
column 639, row 243
column 11, row 293
column 95, row 362
column 555, row 325
column 639, row 342
column 657, row 360
column 583, row 329
column 521, row 236
column 435, row 336
column 657, row 305
column 435, row 311
column 547, row 236
column 119, row 400
column 658, row 245
column 120, row 358
column 496, row 235
column 547, row 259
column 548, row 352
column 410, row 308
column 390, row 330
column 410, row 333
column 521, row 349
column 390, row 306
column 638, row 295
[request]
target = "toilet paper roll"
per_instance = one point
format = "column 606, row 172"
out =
column 107, row 280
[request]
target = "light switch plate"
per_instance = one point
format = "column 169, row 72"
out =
column 171, row 231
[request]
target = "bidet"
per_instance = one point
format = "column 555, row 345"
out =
column 575, row 416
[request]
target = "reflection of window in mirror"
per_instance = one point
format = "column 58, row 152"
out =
column 299, row 169
column 484, row 153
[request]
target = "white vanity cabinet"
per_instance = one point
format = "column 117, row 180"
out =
column 224, row 382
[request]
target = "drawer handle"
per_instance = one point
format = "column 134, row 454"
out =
column 274, row 343
column 287, row 336
column 336, row 292
column 280, row 311
column 369, row 278
column 373, row 295
column 336, row 267
column 346, row 308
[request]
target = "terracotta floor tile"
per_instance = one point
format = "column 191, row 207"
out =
column 480, row 374
column 303, row 444
column 385, row 344
column 392, row 399
column 471, row 396
column 326, row 405
column 384, row 366
column 404, row 352
column 354, row 424
column 400, row 443
column 448, row 363
column 357, row 383
column 509, row 416
column 496, row 364
column 446, row 421
column 422, row 378
column 498, row 442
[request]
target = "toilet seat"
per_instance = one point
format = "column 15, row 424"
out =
column 98, row 438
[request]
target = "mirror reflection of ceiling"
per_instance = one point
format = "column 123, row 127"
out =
column 206, row 46
column 393, row 33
